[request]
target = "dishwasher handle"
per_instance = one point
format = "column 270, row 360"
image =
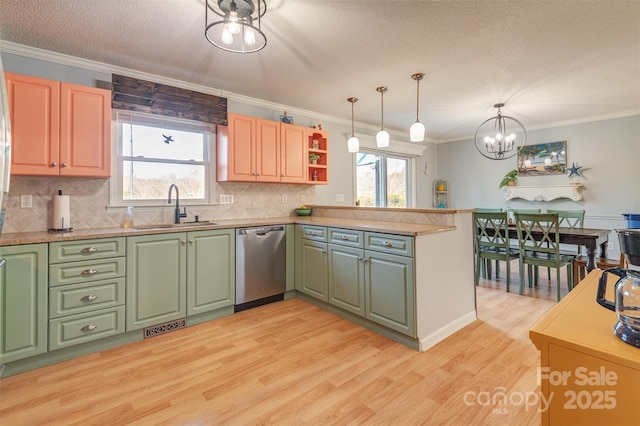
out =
column 261, row 232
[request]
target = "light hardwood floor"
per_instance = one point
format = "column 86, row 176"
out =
column 291, row 363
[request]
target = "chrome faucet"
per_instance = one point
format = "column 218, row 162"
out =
column 178, row 215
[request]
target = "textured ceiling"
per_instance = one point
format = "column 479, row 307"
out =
column 549, row 61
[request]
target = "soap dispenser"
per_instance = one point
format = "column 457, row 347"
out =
column 128, row 221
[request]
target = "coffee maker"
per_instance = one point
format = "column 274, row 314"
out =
column 627, row 289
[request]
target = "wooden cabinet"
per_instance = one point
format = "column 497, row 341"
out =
column 59, row 129
column 248, row 150
column 369, row 274
column 86, row 291
column 347, row 270
column 210, row 270
column 293, row 153
column 587, row 376
column 317, row 143
column 156, row 279
column 23, row 301
column 251, row 149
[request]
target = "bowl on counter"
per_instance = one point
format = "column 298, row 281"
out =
column 303, row 211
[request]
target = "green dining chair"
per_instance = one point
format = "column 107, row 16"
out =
column 486, row 265
column 539, row 245
column 492, row 241
column 569, row 219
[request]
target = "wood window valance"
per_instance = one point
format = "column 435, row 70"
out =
column 133, row 94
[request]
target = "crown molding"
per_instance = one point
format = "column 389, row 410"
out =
column 104, row 68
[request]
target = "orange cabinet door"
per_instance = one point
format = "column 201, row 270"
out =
column 267, row 150
column 293, row 153
column 85, row 131
column 241, row 148
column 35, row 120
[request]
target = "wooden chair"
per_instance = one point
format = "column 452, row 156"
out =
column 569, row 219
column 486, row 267
column 492, row 241
column 580, row 266
column 542, row 251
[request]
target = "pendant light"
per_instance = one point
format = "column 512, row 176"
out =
column 353, row 144
column 495, row 141
column 416, row 131
column 382, row 138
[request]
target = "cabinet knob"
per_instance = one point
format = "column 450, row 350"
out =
column 89, row 327
column 387, row 244
column 89, row 272
column 312, row 234
column 183, row 242
column 365, row 260
column 345, row 238
column 190, row 241
column 89, row 250
column 63, row 165
column 89, row 298
column 54, row 164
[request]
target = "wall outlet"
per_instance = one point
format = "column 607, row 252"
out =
column 226, row 199
column 26, row 201
column 284, row 198
column 340, row 198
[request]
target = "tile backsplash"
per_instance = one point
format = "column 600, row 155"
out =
column 90, row 199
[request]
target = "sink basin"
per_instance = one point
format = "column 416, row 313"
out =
column 174, row 225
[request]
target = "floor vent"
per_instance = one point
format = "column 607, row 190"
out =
column 165, row 327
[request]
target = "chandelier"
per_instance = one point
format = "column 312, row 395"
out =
column 239, row 29
column 494, row 139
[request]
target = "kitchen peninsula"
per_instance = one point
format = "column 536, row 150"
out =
column 437, row 248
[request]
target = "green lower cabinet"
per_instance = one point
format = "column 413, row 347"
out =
column 81, row 328
column 347, row 278
column 23, row 301
column 389, row 291
column 210, row 270
column 313, row 279
column 156, row 279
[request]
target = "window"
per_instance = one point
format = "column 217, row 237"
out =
column 382, row 180
column 153, row 152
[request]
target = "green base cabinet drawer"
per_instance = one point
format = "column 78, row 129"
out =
column 90, row 270
column 81, row 328
column 388, row 243
column 73, row 251
column 316, row 233
column 79, row 298
column 346, row 237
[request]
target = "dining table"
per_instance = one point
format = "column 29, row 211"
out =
column 590, row 238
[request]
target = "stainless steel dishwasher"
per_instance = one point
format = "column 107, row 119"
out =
column 260, row 266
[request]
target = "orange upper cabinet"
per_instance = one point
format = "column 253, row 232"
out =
column 59, row 129
column 247, row 150
column 251, row 149
column 293, row 153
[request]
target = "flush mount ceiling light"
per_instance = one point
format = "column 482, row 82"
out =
column 239, row 29
column 353, row 144
column 495, row 138
column 382, row 138
column 416, row 131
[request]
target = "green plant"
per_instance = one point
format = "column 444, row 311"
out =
column 511, row 176
column 313, row 156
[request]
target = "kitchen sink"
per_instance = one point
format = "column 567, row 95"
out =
column 174, row 225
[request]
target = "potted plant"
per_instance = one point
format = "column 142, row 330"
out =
column 509, row 179
column 313, row 157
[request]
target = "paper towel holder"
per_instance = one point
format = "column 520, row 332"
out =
column 68, row 214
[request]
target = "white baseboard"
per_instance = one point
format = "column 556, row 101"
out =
column 444, row 332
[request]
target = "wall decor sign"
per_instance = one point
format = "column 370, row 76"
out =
column 543, row 159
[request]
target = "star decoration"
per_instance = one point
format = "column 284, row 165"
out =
column 573, row 170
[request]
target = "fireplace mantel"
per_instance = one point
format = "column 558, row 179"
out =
column 544, row 192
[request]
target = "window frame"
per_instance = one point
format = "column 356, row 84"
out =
column 411, row 182
column 118, row 159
